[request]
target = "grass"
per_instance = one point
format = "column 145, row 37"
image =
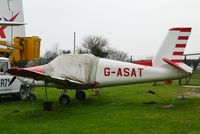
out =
column 119, row 109
column 195, row 78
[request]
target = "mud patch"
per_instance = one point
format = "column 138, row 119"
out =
column 193, row 93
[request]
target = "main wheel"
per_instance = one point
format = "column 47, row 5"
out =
column 23, row 93
column 31, row 97
column 80, row 95
column 64, row 100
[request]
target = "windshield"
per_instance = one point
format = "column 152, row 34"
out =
column 3, row 67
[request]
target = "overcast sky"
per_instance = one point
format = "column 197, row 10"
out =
column 137, row 27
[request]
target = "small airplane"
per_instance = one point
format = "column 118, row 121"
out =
column 85, row 71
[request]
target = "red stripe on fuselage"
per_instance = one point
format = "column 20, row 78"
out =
column 145, row 63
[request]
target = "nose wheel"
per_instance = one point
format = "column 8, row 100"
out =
column 80, row 95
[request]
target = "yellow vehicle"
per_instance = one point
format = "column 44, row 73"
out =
column 23, row 49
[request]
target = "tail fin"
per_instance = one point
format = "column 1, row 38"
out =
column 12, row 11
column 173, row 46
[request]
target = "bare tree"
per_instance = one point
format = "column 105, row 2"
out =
column 52, row 54
column 98, row 46
column 81, row 50
column 55, row 49
column 95, row 45
column 65, row 51
column 118, row 55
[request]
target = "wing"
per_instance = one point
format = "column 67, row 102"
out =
column 56, row 81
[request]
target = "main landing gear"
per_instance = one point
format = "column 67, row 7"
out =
column 32, row 97
column 64, row 98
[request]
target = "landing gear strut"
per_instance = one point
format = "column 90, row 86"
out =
column 64, row 99
column 47, row 105
column 80, row 95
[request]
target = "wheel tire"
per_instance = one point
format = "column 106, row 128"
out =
column 22, row 93
column 80, row 95
column 64, row 100
column 32, row 97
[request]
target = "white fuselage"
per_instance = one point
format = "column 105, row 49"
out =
column 110, row 72
column 99, row 72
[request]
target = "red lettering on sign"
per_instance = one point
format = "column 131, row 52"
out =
column 107, row 71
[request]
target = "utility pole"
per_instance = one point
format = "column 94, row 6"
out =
column 12, row 31
column 74, row 42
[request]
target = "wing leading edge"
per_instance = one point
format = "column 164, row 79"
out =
column 57, row 81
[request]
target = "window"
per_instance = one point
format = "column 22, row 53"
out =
column 3, row 67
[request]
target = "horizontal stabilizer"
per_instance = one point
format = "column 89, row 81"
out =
column 180, row 66
column 12, row 23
